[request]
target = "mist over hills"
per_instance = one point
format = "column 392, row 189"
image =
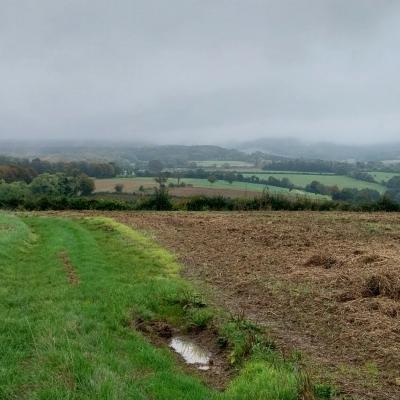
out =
column 113, row 151
column 268, row 148
column 296, row 148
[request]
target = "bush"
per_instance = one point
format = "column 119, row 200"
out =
column 204, row 203
column 86, row 184
column 119, row 187
column 160, row 201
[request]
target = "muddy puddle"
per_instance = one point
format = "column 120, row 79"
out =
column 199, row 350
column 191, row 352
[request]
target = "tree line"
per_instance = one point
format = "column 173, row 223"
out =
column 46, row 185
column 359, row 168
column 13, row 169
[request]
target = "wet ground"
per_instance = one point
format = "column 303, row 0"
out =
column 197, row 350
column 191, row 352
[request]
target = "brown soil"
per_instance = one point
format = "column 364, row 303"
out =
column 324, row 284
column 131, row 185
column 197, row 191
column 73, row 278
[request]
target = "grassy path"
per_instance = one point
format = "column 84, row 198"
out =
column 63, row 338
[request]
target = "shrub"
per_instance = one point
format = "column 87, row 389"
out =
column 160, row 201
column 119, row 187
column 86, row 184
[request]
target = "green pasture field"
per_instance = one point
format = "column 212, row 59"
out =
column 341, row 181
column 263, row 172
column 219, row 163
column 383, row 176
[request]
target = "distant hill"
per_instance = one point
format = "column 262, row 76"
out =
column 294, row 148
column 249, row 151
column 104, row 151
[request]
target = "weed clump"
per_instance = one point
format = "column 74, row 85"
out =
column 384, row 284
column 198, row 315
column 187, row 299
column 324, row 391
column 245, row 338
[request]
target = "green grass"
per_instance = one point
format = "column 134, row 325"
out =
column 291, row 172
column 341, row 181
column 383, row 176
column 65, row 341
column 243, row 186
column 219, row 163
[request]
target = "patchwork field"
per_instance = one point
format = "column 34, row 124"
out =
column 325, row 284
column 383, row 176
column 327, row 179
column 200, row 186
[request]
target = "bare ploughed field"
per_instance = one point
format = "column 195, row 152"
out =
column 133, row 185
column 326, row 285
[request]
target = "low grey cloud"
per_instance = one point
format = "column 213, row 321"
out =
column 200, row 71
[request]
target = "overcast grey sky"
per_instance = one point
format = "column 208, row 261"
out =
column 200, row 70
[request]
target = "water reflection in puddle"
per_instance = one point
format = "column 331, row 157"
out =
column 191, row 352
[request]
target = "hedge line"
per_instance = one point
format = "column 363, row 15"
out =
column 195, row 203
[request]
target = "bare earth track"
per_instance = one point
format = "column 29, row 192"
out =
column 325, row 284
column 309, row 277
column 73, row 278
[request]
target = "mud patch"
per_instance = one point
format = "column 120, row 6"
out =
column 199, row 351
column 154, row 329
column 73, row 278
column 322, row 260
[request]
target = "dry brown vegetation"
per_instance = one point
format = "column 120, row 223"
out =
column 132, row 185
column 327, row 285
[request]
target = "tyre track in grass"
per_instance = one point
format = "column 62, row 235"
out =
column 70, row 271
